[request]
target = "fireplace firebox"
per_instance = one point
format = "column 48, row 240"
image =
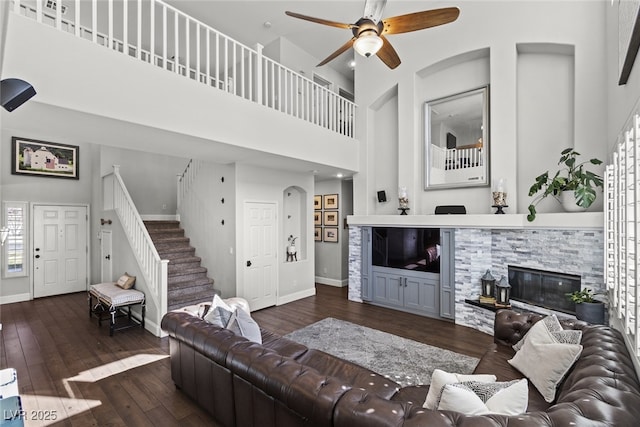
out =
column 545, row 289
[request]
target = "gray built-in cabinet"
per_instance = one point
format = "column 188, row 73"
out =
column 400, row 270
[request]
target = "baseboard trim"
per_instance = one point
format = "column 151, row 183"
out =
column 296, row 296
column 15, row 298
column 154, row 328
column 332, row 282
column 158, row 217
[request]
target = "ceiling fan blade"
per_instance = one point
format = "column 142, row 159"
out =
column 388, row 54
column 320, row 20
column 373, row 9
column 345, row 47
column 420, row 20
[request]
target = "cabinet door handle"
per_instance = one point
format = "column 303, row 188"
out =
column 400, row 282
column 405, row 282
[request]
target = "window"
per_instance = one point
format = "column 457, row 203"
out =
column 622, row 220
column 14, row 255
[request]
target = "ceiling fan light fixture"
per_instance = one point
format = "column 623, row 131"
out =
column 368, row 43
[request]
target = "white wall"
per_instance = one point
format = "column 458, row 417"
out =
column 291, row 56
column 621, row 99
column 496, row 28
column 43, row 190
column 209, row 201
column 255, row 184
column 151, row 178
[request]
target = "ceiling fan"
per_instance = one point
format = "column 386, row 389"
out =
column 369, row 31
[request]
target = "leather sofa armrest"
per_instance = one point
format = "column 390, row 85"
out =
column 510, row 326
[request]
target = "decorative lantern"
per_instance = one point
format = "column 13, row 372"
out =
column 488, row 288
column 503, row 289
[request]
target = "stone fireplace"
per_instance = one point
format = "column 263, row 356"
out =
column 568, row 249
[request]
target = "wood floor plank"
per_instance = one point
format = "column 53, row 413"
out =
column 68, row 364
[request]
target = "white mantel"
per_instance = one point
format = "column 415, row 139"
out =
column 564, row 221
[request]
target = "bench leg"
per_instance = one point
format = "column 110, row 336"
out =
column 144, row 310
column 112, row 321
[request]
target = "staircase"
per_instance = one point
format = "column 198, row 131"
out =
column 187, row 280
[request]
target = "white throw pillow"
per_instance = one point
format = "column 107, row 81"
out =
column 478, row 398
column 545, row 365
column 440, row 378
column 549, row 331
column 217, row 313
column 242, row 324
column 218, row 316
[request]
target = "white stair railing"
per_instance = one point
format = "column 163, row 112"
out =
column 159, row 34
column 153, row 268
column 186, row 179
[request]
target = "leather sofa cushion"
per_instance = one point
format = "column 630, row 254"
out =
column 282, row 346
column 413, row 394
column 350, row 373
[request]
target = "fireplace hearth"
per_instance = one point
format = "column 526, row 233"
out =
column 547, row 289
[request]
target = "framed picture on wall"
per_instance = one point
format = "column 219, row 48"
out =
column 330, row 201
column 317, row 235
column 330, row 217
column 317, row 218
column 41, row 158
column 331, row 234
column 317, row 202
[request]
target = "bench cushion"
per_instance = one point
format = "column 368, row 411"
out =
column 114, row 296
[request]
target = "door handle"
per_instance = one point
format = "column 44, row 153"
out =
column 249, row 263
column 107, row 257
column 37, row 256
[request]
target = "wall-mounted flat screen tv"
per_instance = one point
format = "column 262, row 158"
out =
column 407, row 248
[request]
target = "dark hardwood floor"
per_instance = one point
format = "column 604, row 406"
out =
column 72, row 370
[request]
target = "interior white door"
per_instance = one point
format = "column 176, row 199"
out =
column 59, row 250
column 260, row 248
column 106, row 266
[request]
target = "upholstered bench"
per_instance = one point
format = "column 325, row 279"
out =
column 112, row 300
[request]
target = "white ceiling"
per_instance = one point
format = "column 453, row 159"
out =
column 244, row 21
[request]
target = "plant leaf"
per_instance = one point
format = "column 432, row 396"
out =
column 585, row 196
column 532, row 213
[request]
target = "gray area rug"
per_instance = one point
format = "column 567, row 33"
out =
column 405, row 361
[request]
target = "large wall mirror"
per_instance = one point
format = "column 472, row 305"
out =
column 457, row 140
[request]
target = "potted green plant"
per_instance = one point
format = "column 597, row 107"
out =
column 588, row 308
column 572, row 179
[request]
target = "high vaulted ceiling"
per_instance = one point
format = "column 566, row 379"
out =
column 245, row 21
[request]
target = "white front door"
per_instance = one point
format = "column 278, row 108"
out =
column 59, row 250
column 260, row 248
column 106, row 269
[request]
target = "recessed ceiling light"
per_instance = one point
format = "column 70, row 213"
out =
column 352, row 64
column 339, row 175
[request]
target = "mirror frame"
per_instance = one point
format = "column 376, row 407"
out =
column 485, row 151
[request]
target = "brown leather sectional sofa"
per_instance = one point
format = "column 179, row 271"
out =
column 282, row 383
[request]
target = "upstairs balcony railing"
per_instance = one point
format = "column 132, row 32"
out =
column 159, row 34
